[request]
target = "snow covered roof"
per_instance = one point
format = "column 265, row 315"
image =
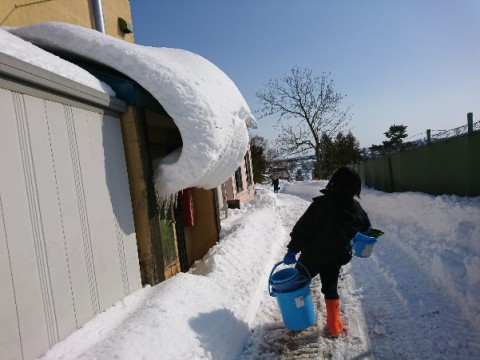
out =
column 207, row 107
column 27, row 52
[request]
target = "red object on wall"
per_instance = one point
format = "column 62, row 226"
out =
column 188, row 208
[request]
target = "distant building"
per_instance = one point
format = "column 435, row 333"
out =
column 279, row 172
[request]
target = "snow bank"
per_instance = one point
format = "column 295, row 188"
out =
column 442, row 233
column 202, row 314
column 205, row 104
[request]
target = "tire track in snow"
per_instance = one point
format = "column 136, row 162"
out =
column 406, row 313
column 387, row 313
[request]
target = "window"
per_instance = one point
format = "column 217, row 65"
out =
column 239, row 179
column 248, row 169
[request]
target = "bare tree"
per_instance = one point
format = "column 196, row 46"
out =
column 271, row 155
column 307, row 106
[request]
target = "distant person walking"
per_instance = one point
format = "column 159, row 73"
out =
column 322, row 236
column 276, row 184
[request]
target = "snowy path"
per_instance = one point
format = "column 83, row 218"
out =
column 270, row 339
column 392, row 306
column 408, row 316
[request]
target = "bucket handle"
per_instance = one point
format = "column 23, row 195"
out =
column 309, row 279
column 353, row 242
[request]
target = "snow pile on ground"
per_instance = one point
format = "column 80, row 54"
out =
column 209, row 110
column 197, row 315
column 442, row 233
column 401, row 303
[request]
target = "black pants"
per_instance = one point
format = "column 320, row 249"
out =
column 329, row 274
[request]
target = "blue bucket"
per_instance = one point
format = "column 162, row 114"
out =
column 362, row 245
column 287, row 280
column 292, row 291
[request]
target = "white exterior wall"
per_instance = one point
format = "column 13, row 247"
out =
column 67, row 239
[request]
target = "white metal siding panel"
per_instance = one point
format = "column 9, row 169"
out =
column 67, row 241
column 119, row 195
column 23, row 228
column 56, row 262
column 67, row 178
column 9, row 331
column 107, row 205
column 88, row 127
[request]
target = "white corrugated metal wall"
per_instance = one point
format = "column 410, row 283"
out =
column 67, row 239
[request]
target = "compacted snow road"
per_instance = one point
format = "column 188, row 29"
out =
column 392, row 306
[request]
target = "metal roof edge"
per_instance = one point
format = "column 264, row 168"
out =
column 20, row 70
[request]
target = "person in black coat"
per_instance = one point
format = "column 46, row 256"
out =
column 322, row 237
column 276, row 184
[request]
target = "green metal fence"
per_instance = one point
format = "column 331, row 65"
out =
column 450, row 166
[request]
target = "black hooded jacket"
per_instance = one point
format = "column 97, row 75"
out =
column 323, row 232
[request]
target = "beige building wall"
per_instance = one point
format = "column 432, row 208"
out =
column 247, row 191
column 78, row 12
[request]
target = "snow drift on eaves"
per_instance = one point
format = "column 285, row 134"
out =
column 31, row 54
column 205, row 104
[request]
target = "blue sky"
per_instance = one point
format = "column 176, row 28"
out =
column 409, row 62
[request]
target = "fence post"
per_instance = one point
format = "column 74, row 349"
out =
column 429, row 136
column 390, row 173
column 470, row 122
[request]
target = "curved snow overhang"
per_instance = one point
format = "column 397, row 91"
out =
column 207, row 107
column 124, row 88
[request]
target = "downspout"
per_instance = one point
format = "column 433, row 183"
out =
column 98, row 16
